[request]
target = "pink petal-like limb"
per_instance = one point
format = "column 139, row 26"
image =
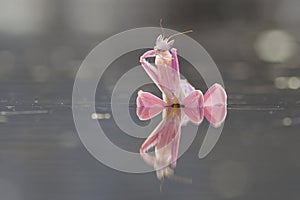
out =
column 165, row 138
column 215, row 114
column 149, row 68
column 215, row 95
column 215, row 101
column 148, row 105
column 193, row 106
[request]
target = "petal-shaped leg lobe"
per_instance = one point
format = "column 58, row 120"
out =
column 215, row 114
column 193, row 106
column 215, row 95
column 148, row 105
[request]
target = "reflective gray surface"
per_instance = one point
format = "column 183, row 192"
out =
column 256, row 156
column 41, row 156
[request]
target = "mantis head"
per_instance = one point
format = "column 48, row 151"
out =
column 163, row 44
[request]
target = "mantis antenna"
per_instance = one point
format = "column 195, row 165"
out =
column 161, row 27
column 185, row 32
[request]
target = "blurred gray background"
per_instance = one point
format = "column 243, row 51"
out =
column 255, row 44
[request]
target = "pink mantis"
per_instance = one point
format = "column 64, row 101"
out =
column 181, row 103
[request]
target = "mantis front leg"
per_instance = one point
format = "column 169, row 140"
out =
column 149, row 68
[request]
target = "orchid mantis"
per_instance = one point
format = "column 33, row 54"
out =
column 181, row 103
